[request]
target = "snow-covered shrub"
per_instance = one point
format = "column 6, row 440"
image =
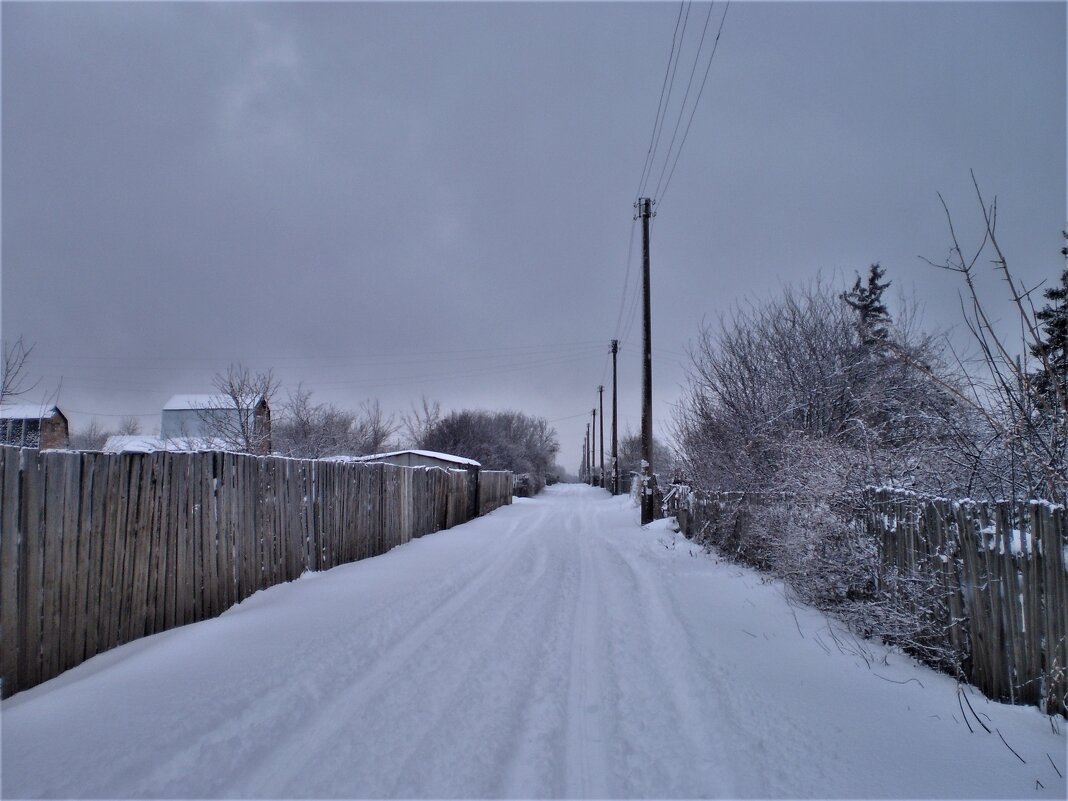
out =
column 807, row 370
column 793, row 408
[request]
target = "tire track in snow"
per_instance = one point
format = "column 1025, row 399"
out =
column 670, row 708
column 284, row 763
column 585, row 772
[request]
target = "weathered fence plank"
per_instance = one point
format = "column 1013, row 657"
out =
column 97, row 550
column 53, row 563
column 10, row 536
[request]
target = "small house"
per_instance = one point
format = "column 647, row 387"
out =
column 200, row 417
column 33, row 426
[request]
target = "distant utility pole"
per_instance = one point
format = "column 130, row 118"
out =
column 615, row 442
column 600, row 393
column 586, row 453
column 589, row 451
column 593, row 450
column 645, row 211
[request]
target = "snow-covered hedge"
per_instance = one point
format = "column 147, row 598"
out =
column 977, row 590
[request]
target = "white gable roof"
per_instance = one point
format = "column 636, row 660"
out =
column 445, row 457
column 140, row 443
column 204, row 401
column 27, row 411
column 216, row 401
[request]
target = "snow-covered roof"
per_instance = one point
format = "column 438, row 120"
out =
column 118, row 443
column 27, row 411
column 216, row 401
column 445, row 457
column 141, row 443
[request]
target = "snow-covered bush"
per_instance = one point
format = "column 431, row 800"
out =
column 793, row 408
column 828, row 559
column 808, row 384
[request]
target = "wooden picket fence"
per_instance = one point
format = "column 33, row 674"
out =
column 494, row 489
column 997, row 572
column 1000, row 571
column 100, row 549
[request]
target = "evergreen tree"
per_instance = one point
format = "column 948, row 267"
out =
column 1053, row 319
column 873, row 319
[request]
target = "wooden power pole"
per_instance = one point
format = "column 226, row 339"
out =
column 586, row 454
column 615, row 441
column 600, row 395
column 593, row 449
column 645, row 212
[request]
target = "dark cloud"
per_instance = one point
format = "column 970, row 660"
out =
column 373, row 197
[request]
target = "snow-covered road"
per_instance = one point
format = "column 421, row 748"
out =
column 553, row 648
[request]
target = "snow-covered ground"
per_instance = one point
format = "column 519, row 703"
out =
column 553, row 648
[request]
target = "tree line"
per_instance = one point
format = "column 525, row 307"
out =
column 302, row 428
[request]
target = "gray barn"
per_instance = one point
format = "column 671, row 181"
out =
column 201, row 416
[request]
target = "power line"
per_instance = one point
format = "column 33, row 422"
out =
column 659, row 106
column 632, row 315
column 352, row 359
column 667, row 103
column 626, row 279
column 685, row 97
column 569, row 417
column 704, row 80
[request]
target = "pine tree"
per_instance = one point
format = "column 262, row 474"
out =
column 873, row 319
column 1053, row 319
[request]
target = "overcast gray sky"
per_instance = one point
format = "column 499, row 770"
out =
column 401, row 199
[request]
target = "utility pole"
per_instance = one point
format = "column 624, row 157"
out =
column 600, row 393
column 586, row 452
column 615, row 442
column 645, row 211
column 593, row 450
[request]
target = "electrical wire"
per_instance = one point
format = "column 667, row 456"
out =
column 659, row 106
column 632, row 315
column 569, row 417
column 394, row 357
column 685, row 97
column 626, row 279
column 704, row 80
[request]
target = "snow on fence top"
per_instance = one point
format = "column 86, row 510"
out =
column 378, row 457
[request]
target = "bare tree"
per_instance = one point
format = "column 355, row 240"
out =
column 313, row 431
column 418, row 425
column 240, row 416
column 91, row 438
column 297, row 431
column 129, row 426
column 373, row 428
column 1017, row 389
column 13, row 379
